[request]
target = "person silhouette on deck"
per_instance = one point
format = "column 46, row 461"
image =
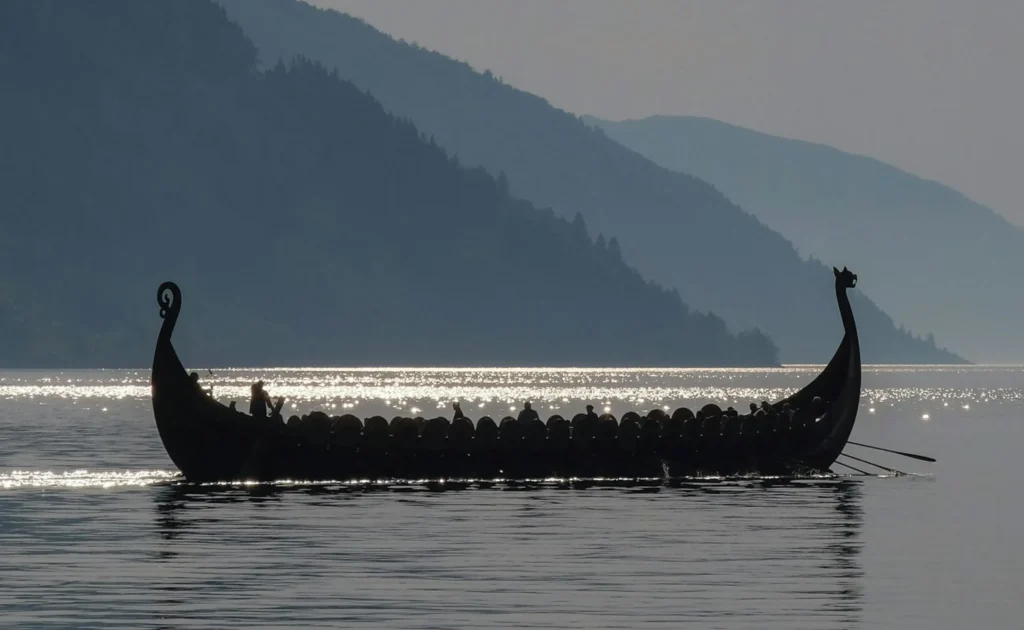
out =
column 458, row 411
column 259, row 402
column 591, row 416
column 527, row 414
column 275, row 415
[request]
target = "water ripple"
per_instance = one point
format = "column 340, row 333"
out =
column 97, row 531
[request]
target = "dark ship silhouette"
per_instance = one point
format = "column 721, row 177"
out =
column 801, row 434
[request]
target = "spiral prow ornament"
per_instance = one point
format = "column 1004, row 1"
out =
column 168, row 296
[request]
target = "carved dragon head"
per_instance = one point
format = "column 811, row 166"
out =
column 845, row 278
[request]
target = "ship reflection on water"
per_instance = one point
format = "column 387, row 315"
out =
column 761, row 551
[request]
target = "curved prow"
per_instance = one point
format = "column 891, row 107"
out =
column 206, row 440
column 168, row 296
column 842, row 389
column 168, row 378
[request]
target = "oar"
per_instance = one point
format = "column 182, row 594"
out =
column 892, row 470
column 923, row 458
column 863, row 472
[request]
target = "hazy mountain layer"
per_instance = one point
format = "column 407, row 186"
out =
column 304, row 224
column 933, row 257
column 676, row 229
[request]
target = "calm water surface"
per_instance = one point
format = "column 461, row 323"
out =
column 95, row 531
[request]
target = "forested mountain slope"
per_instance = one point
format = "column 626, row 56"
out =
column 674, row 228
column 935, row 258
column 304, row 224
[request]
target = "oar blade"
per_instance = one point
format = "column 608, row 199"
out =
column 923, row 458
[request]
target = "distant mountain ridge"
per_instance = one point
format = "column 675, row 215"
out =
column 304, row 224
column 934, row 257
column 674, row 228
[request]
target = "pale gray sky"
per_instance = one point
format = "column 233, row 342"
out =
column 935, row 87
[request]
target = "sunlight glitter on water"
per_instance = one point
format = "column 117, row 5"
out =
column 84, row 479
column 124, row 542
column 427, row 388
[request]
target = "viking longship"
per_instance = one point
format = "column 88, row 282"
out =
column 801, row 434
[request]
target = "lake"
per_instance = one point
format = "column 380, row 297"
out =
column 95, row 530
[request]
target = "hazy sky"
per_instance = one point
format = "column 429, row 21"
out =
column 933, row 86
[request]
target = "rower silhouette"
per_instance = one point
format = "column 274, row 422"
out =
column 528, row 414
column 259, row 402
column 275, row 414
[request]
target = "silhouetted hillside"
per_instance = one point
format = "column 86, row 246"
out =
column 304, row 224
column 674, row 228
column 934, row 257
